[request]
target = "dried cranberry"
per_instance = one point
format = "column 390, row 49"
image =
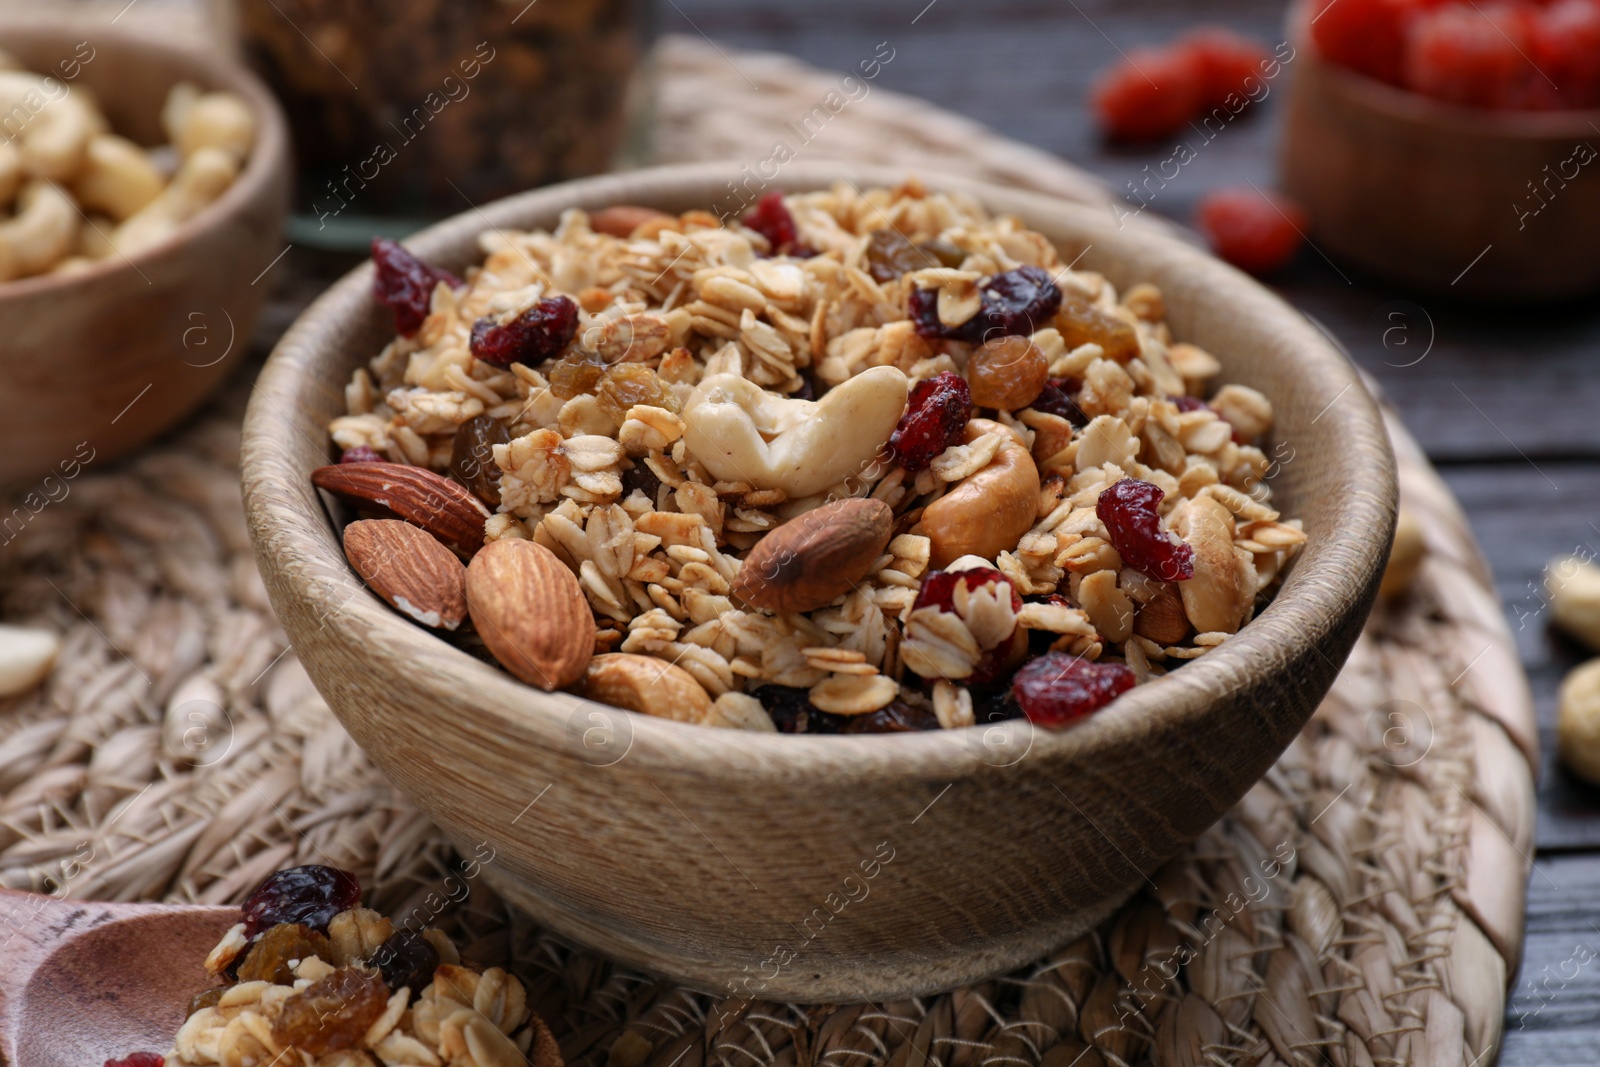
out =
column 1229, row 63
column 1015, row 303
column 538, row 334
column 404, row 284
column 362, row 454
column 772, row 220
column 1128, row 508
column 939, row 590
column 1057, row 689
column 139, row 1059
column 1188, row 403
column 898, row 718
column 935, row 418
column 1057, row 399
column 1255, row 231
column 310, row 895
column 1151, row 93
column 793, row 713
column 406, row 959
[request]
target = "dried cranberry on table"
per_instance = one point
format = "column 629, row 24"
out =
column 406, row 959
column 1228, row 62
column 935, row 418
column 773, row 220
column 1058, row 689
column 138, row 1059
column 1014, row 303
column 404, row 284
column 311, row 895
column 1151, row 93
column 1128, row 509
column 538, row 334
column 1255, row 231
column 1056, row 398
column 362, row 454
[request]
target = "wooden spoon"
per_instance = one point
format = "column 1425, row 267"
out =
column 81, row 982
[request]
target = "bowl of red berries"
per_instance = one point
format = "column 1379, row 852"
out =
column 1445, row 144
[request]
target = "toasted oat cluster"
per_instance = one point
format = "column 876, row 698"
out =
column 312, row 978
column 858, row 462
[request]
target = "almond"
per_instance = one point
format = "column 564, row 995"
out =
column 1161, row 618
column 647, row 685
column 814, row 558
column 419, row 496
column 531, row 613
column 409, row 568
column 620, row 220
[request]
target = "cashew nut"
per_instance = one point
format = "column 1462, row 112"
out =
column 1215, row 598
column 741, row 433
column 217, row 120
column 10, row 171
column 117, row 177
column 52, row 123
column 203, row 177
column 44, row 230
column 1578, row 721
column 1573, row 585
column 988, row 512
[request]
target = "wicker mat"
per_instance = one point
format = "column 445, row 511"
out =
column 179, row 752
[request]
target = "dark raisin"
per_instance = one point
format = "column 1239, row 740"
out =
column 1058, row 689
column 642, row 478
column 274, row 955
column 793, row 713
column 311, row 895
column 472, row 457
column 808, row 386
column 139, row 1059
column 936, row 416
column 331, row 1014
column 404, row 284
column 1015, row 303
column 773, row 220
column 944, row 253
column 897, row 718
column 406, row 959
column 890, row 255
column 1057, row 398
column 538, row 334
column 997, row 707
column 1188, row 403
column 1128, row 508
column 206, row 998
column 362, row 454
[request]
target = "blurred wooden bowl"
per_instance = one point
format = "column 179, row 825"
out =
column 823, row 868
column 96, row 363
column 1476, row 203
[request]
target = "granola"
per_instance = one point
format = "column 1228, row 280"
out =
column 719, row 381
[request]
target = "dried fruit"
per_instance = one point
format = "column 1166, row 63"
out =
column 890, row 254
column 575, row 374
column 793, row 713
column 1254, row 231
column 331, row 1014
column 1128, row 509
column 472, row 457
column 410, row 570
column 404, row 284
column 1566, row 45
column 1058, row 398
column 897, row 718
column 1189, row 403
column 1058, row 689
column 274, row 955
column 310, row 895
column 529, row 609
column 419, row 496
column 935, row 417
column 944, row 253
column 627, row 384
column 939, row 590
column 138, row 1059
column 816, row 557
column 1083, row 323
column 406, row 960
column 1363, row 35
column 645, row 684
column 773, row 220
column 538, row 334
column 620, row 220
column 1228, row 64
column 1014, row 302
column 361, row 454
column 1151, row 93
column 206, row 998
column 1007, row 373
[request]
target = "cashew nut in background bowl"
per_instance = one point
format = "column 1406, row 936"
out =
column 43, row 231
column 203, row 177
column 10, row 171
column 51, row 124
column 214, row 120
column 117, row 177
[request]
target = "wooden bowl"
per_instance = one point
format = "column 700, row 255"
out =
column 97, row 363
column 825, row 868
column 1440, row 198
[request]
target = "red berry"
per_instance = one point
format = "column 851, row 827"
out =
column 138, row 1059
column 404, row 284
column 1015, row 304
column 939, row 590
column 1058, row 689
column 1256, row 232
column 361, row 454
column 1229, row 63
column 1128, row 508
column 773, row 220
column 538, row 334
column 1474, row 56
column 936, row 416
column 1152, row 93
column 1566, row 46
column 1367, row 36
column 310, row 895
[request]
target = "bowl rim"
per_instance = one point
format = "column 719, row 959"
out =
column 1403, row 105
column 672, row 747
column 268, row 154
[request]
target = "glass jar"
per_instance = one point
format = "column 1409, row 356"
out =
column 427, row 107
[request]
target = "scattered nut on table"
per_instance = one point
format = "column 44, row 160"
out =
column 1573, row 586
column 1578, row 722
column 26, row 656
column 1405, row 558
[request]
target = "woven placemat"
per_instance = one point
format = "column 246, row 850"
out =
column 1362, row 905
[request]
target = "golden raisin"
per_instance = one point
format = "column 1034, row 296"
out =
column 575, row 373
column 273, row 956
column 331, row 1014
column 206, row 998
column 1007, row 373
column 1082, row 323
column 627, row 384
